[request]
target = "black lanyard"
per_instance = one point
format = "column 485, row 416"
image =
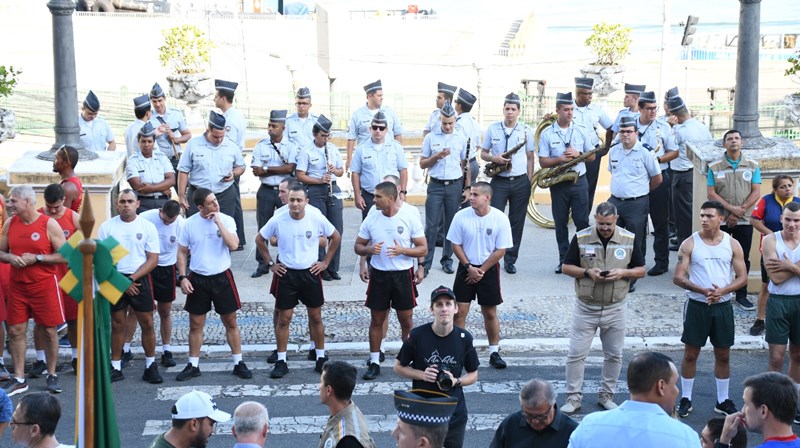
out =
column 508, row 136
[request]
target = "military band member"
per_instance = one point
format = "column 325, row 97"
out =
column 634, row 174
column 443, row 154
column 210, row 161
column 656, row 136
column 358, row 130
column 512, row 187
column 274, row 159
column 394, row 237
column 559, row 144
column 589, row 116
column 672, row 120
column 141, row 110
column 602, row 259
column 140, row 238
column 444, row 94
column 318, row 166
column 96, row 134
column 149, row 172
column 735, row 182
column 210, row 236
column 471, row 130
column 298, row 271
column 169, row 224
column 170, row 125
column 374, row 159
column 300, row 125
column 631, row 103
column 480, row 236
column 236, row 132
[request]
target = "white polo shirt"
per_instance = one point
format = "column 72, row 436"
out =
column 298, row 239
column 402, row 227
column 210, row 255
column 479, row 236
column 138, row 237
column 167, row 236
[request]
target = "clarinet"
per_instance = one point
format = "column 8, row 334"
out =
column 466, row 167
column 329, row 184
column 283, row 159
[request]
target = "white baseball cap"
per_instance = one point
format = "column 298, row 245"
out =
column 197, row 404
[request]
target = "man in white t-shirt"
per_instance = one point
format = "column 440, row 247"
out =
column 480, row 236
column 140, row 238
column 297, row 274
column 169, row 224
column 394, row 237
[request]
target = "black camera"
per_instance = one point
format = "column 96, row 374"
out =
column 444, row 380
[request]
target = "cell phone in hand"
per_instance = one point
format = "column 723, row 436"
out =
column 603, row 273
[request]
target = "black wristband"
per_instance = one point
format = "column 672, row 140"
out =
column 586, row 273
column 181, row 277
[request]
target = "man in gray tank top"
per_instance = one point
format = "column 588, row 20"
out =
column 710, row 268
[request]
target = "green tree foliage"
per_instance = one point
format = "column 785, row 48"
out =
column 609, row 43
column 8, row 80
column 186, row 50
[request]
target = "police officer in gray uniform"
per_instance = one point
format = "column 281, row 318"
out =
column 141, row 110
column 374, row 159
column 149, row 172
column 96, row 134
column 687, row 130
column 299, row 125
column 274, row 159
column 235, row 131
column 589, row 116
column 358, row 131
column 210, row 161
column 471, row 130
column 444, row 94
column 443, row 154
column 631, row 103
column 513, row 186
column 318, row 166
column 634, row 174
column 560, row 143
column 171, row 127
column 671, row 120
column 656, row 136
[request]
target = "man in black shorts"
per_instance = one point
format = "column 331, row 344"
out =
column 438, row 348
column 210, row 236
column 140, row 238
column 297, row 275
column 169, row 224
column 394, row 237
column 480, row 236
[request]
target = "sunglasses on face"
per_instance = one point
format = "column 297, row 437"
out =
column 378, row 128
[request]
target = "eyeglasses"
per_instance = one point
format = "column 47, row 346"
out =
column 626, row 132
column 378, row 128
column 302, row 104
column 651, row 109
column 538, row 418
column 16, row 423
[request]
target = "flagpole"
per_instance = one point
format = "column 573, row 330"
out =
column 88, row 247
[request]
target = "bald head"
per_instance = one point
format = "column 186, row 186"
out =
column 251, row 423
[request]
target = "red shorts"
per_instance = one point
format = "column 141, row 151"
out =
column 40, row 301
column 5, row 271
column 70, row 306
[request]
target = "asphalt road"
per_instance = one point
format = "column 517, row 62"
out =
column 296, row 416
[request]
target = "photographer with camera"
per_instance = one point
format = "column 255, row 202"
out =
column 434, row 356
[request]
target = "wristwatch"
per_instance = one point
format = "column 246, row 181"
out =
column 39, row 258
column 181, row 277
column 270, row 264
column 403, row 192
column 466, row 265
column 586, row 274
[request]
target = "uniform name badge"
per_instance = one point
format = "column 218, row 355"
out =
column 721, row 175
column 747, row 175
column 589, row 253
column 619, row 253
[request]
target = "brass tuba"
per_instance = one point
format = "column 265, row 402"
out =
column 533, row 213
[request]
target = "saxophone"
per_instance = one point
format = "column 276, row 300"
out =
column 492, row 169
column 547, row 177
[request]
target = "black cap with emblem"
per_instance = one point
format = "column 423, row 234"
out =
column 648, row 97
column 584, row 83
column 228, row 86
column 564, row 98
column 512, row 98
column 278, row 116
column 465, row 98
column 216, row 121
column 323, row 124
column 147, row 130
column 424, row 408
column 447, row 110
column 379, row 118
column 676, row 105
column 91, row 102
column 303, row 92
column 141, row 102
column 627, row 122
column 634, row 89
column 156, row 91
column 373, row 86
column 446, row 88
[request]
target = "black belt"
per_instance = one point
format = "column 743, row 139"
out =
column 155, row 196
column 511, row 178
column 271, row 187
column 445, row 181
column 684, row 171
column 629, row 199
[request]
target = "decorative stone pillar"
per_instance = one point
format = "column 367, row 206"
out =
column 745, row 116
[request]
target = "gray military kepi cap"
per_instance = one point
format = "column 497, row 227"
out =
column 379, row 118
column 303, row 92
column 424, row 408
column 323, row 124
column 141, row 102
column 676, row 104
column 228, row 86
column 512, row 98
column 278, row 116
column 465, row 97
column 671, row 93
column 156, row 91
column 446, row 88
column 635, row 89
column 647, row 97
column 584, row 83
column 91, row 102
column 147, row 130
column 447, row 110
column 627, row 122
column 373, row 86
column 564, row 98
column 216, row 121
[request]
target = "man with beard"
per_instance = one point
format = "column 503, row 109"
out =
column 193, row 418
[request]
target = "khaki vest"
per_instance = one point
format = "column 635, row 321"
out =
column 348, row 422
column 734, row 185
column 616, row 255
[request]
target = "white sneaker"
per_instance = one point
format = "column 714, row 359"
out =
column 572, row 405
column 606, row 402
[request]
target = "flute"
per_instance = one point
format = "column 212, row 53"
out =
column 466, row 167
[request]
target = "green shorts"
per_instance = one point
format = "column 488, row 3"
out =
column 783, row 320
column 702, row 322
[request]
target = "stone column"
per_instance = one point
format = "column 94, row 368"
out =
column 66, row 84
column 745, row 117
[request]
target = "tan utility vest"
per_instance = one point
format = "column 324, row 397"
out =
column 616, row 255
column 734, row 185
column 348, row 422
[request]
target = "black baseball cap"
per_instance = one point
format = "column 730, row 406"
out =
column 442, row 291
